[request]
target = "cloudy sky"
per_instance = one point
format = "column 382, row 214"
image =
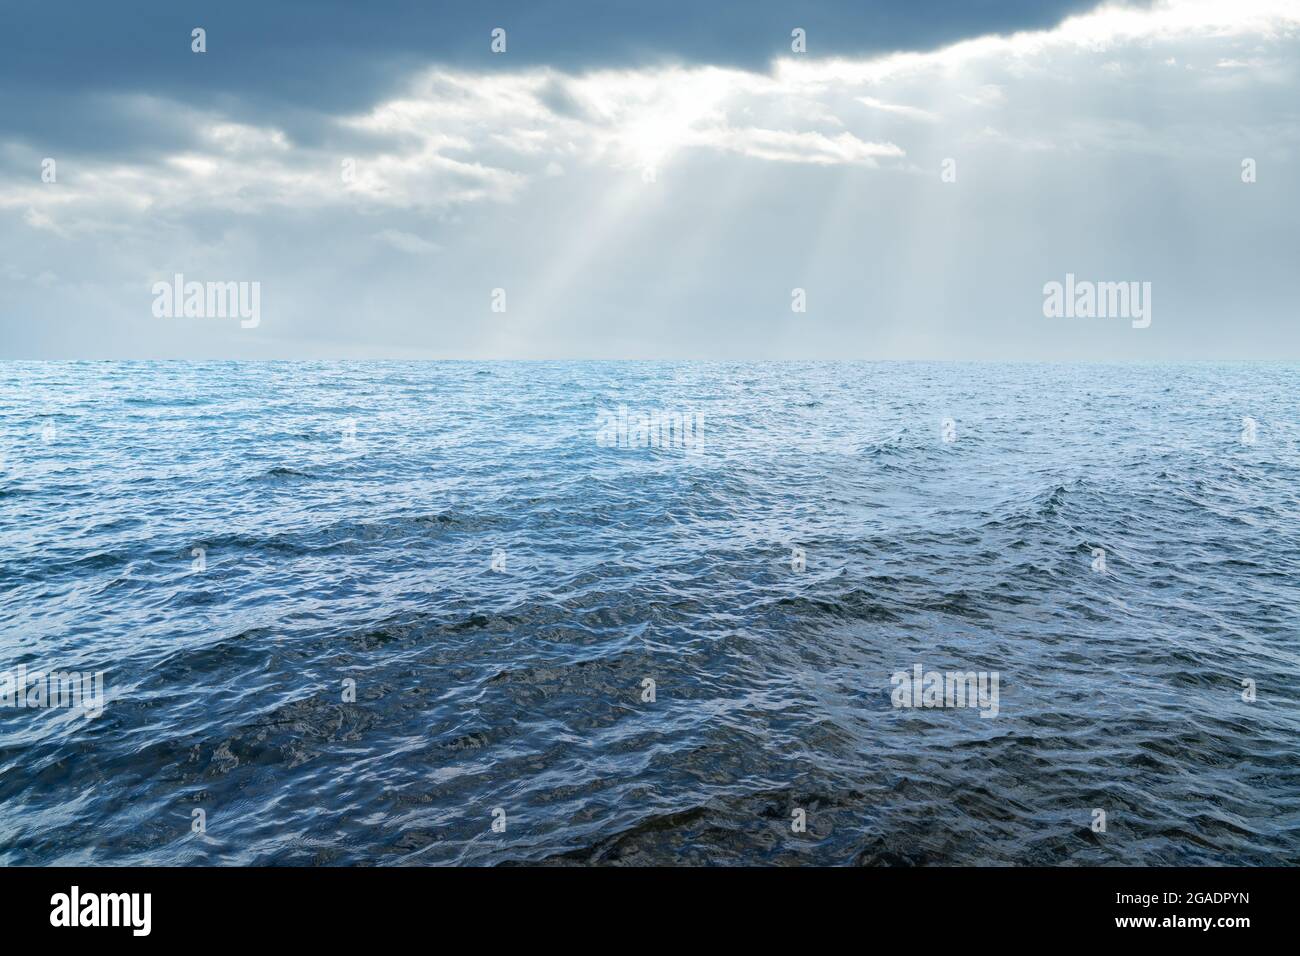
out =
column 651, row 180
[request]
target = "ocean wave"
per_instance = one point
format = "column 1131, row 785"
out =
column 356, row 652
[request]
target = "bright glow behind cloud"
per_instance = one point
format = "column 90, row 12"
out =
column 463, row 163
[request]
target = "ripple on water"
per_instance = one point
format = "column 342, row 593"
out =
column 370, row 561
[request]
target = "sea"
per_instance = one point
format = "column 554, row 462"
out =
column 649, row 613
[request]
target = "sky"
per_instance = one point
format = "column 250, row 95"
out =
column 628, row 180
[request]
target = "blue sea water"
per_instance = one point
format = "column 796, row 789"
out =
column 970, row 545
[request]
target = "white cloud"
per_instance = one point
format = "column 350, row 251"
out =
column 988, row 94
column 532, row 179
column 406, row 242
column 789, row 147
column 911, row 112
column 456, row 137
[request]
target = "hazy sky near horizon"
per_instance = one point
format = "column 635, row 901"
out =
column 651, row 186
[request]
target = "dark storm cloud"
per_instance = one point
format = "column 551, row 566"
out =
column 296, row 61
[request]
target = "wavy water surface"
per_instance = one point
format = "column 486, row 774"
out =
column 522, row 689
